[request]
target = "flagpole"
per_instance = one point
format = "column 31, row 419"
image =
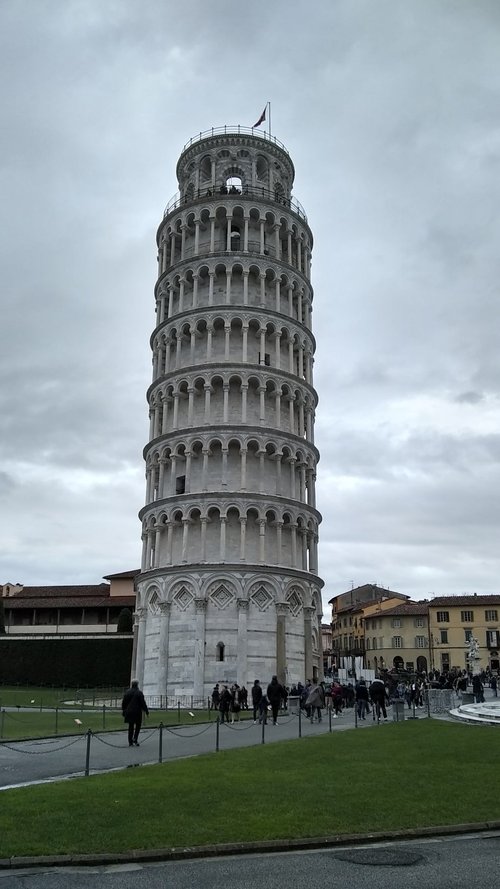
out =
column 269, row 127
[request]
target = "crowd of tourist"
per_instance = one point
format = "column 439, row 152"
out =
column 367, row 697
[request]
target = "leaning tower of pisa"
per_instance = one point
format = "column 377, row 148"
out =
column 229, row 588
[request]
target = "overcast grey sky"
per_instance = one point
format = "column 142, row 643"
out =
column 391, row 112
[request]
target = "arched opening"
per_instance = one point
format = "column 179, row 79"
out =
column 422, row 664
column 398, row 663
column 219, row 651
column 234, row 184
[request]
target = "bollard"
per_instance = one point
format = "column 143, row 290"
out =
column 264, row 717
column 356, row 716
column 329, row 719
column 300, row 721
column 87, row 755
column 1, row 723
column 178, row 711
column 57, row 720
column 217, row 725
column 160, row 743
column 103, row 716
column 428, row 703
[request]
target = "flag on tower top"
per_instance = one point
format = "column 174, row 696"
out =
column 261, row 118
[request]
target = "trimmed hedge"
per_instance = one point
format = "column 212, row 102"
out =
column 64, row 661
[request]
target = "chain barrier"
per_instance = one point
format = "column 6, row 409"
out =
column 14, row 718
column 177, row 732
column 41, row 752
column 289, row 719
column 232, row 725
column 109, row 744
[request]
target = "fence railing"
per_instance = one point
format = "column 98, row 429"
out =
column 254, row 192
column 234, row 130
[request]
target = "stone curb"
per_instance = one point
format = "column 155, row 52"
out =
column 225, row 849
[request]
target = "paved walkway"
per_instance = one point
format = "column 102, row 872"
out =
column 26, row 762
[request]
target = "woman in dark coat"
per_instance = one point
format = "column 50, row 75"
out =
column 133, row 706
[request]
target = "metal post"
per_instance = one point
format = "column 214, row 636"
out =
column 329, row 719
column 428, row 702
column 87, row 756
column 103, row 716
column 178, row 711
column 57, row 720
column 263, row 741
column 1, row 723
column 160, row 743
column 300, row 721
column 217, row 724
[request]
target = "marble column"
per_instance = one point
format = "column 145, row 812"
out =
column 281, row 610
column 141, row 644
column 242, row 668
column 309, row 611
column 199, row 650
column 163, row 652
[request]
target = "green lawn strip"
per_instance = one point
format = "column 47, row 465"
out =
column 403, row 775
column 44, row 696
column 33, row 724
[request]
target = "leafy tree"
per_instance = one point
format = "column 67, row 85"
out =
column 125, row 621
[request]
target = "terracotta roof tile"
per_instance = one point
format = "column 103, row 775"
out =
column 17, row 602
column 62, row 592
column 458, row 601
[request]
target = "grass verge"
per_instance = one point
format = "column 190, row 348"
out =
column 404, row 775
column 49, row 723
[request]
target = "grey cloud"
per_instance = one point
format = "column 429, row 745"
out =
column 395, row 143
column 469, row 398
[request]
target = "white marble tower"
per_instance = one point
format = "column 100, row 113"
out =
column 229, row 587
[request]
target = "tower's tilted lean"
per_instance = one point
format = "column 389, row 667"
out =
column 229, row 589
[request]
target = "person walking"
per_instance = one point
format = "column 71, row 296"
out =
column 361, row 699
column 256, row 699
column 378, row 695
column 225, row 704
column 477, row 689
column 133, row 706
column 235, row 703
column 315, row 701
column 274, row 696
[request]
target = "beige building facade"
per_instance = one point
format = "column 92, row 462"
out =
column 452, row 621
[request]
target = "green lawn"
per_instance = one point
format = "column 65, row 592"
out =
column 403, row 775
column 22, row 724
column 32, row 719
column 45, row 696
